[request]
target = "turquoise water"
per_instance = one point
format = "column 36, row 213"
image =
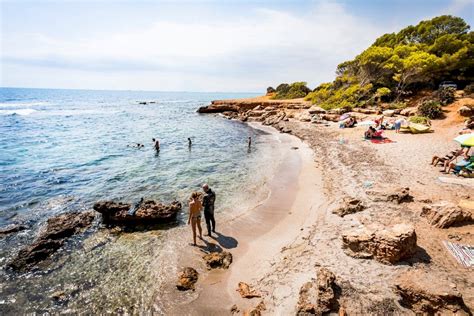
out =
column 62, row 150
column 72, row 143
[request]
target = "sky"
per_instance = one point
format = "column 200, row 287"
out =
column 225, row 46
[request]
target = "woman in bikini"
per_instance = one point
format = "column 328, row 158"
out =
column 194, row 219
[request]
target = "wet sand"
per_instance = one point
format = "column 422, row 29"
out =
column 260, row 233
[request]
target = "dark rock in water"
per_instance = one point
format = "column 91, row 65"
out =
column 51, row 238
column 147, row 212
column 218, row 260
column 13, row 228
column 187, row 278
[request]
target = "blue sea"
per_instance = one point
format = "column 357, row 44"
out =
column 63, row 150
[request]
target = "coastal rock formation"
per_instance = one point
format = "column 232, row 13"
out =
column 445, row 215
column 318, row 297
column 51, row 238
column 401, row 195
column 466, row 111
column 187, row 278
column 384, row 244
column 257, row 310
column 316, row 110
column 146, row 212
column 215, row 260
column 246, row 291
column 13, row 228
column 429, row 293
column 349, row 206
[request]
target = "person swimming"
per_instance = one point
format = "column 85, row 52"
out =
column 250, row 141
column 190, row 143
column 156, row 144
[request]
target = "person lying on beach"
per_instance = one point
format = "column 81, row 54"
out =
column 373, row 133
column 349, row 122
column 194, row 218
column 447, row 158
column 456, row 167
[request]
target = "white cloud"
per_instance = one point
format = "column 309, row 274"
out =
column 239, row 53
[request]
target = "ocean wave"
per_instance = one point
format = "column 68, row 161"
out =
column 21, row 104
column 22, row 112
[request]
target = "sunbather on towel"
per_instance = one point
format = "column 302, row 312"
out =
column 373, row 133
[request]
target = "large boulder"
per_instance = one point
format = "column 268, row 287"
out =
column 400, row 195
column 147, row 212
column 319, row 296
column 349, row 206
column 187, row 278
column 444, row 215
column 466, row 111
column 215, row 260
column 57, row 230
column 384, row 244
column 429, row 293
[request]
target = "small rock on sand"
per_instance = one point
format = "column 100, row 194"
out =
column 215, row 260
column 187, row 278
column 246, row 291
column 349, row 206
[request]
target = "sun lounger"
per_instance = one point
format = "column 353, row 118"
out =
column 464, row 254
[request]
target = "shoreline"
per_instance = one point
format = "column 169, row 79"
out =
column 261, row 231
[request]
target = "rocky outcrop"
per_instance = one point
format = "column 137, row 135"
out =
column 147, row 212
column 316, row 110
column 466, row 111
column 243, row 105
column 257, row 310
column 319, row 296
column 246, row 291
column 10, row 229
column 187, row 278
column 57, row 230
column 349, row 206
column 445, row 215
column 216, row 260
column 429, row 293
column 401, row 195
column 384, row 244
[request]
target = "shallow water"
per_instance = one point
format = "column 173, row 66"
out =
column 62, row 150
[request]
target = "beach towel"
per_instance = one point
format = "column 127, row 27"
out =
column 381, row 141
column 464, row 254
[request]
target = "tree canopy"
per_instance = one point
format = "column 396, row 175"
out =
column 399, row 63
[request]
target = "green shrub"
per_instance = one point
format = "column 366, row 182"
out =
column 419, row 119
column 292, row 91
column 346, row 96
column 431, row 109
column 397, row 106
column 446, row 95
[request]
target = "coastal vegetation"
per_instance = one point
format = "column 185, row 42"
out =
column 398, row 65
column 289, row 91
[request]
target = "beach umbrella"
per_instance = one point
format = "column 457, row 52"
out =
column 465, row 139
column 344, row 116
column 366, row 123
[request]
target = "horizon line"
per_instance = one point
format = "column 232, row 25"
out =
column 128, row 90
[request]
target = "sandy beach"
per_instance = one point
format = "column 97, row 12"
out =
column 285, row 240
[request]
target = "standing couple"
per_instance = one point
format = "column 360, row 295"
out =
column 195, row 206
